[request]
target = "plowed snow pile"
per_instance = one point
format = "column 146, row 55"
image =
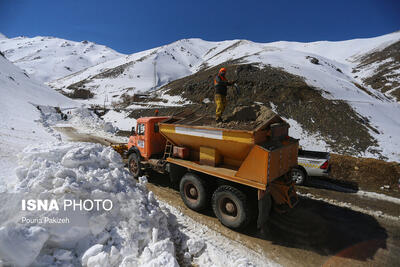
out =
column 134, row 232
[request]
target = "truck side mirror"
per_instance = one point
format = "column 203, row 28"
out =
column 133, row 131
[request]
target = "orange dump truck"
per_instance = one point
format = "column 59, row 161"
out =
column 241, row 172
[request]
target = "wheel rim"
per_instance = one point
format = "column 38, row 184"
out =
column 297, row 176
column 229, row 209
column 134, row 167
column 191, row 192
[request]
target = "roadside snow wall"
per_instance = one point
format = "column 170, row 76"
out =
column 133, row 233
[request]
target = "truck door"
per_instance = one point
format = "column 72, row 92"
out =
column 141, row 130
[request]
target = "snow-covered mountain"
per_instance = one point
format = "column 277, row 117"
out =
column 49, row 58
column 153, row 68
column 335, row 69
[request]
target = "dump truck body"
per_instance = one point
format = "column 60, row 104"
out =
column 247, row 157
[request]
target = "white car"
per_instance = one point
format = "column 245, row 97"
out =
column 311, row 163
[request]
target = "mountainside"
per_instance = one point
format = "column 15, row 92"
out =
column 19, row 124
column 141, row 72
column 325, row 84
column 381, row 70
column 49, row 58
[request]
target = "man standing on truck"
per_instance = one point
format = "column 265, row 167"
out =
column 221, row 84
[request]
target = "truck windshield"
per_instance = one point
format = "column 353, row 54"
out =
column 140, row 129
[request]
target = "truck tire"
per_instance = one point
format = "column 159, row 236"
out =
column 299, row 176
column 193, row 191
column 231, row 207
column 135, row 167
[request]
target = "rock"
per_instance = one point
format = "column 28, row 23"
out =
column 313, row 60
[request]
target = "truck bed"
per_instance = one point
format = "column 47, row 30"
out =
column 209, row 121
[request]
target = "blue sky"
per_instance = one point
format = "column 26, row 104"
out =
column 131, row 26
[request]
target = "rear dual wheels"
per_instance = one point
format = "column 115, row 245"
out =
column 231, row 207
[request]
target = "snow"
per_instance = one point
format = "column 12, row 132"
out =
column 81, row 119
column 21, row 245
column 2, row 36
column 120, row 120
column 137, row 231
column 18, row 125
column 383, row 197
column 134, row 232
column 342, row 51
column 49, row 58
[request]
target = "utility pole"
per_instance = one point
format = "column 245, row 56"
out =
column 105, row 100
column 155, row 74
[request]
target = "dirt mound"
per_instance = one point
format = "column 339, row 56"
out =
column 370, row 174
column 242, row 118
column 342, row 128
column 243, row 114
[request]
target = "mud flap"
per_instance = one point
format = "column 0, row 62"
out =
column 284, row 194
column 264, row 207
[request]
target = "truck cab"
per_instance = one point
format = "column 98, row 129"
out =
column 146, row 140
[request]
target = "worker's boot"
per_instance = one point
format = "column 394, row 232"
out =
column 218, row 119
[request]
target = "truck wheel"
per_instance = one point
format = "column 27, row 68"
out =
column 298, row 176
column 193, row 191
column 231, row 207
column 135, row 167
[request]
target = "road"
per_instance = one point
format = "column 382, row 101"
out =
column 329, row 227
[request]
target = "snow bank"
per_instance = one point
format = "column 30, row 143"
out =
column 84, row 118
column 133, row 233
column 120, row 120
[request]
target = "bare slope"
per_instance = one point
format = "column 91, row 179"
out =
column 342, row 128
